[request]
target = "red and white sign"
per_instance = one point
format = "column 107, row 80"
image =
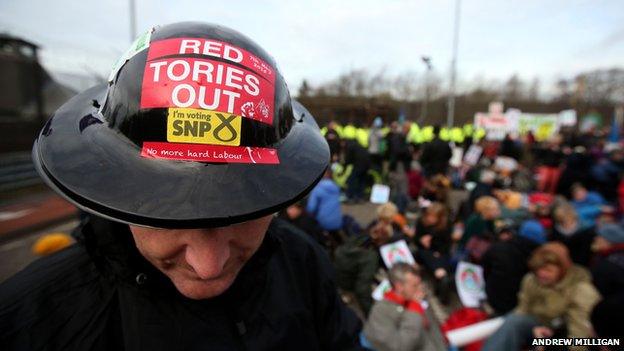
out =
column 208, row 74
column 209, row 153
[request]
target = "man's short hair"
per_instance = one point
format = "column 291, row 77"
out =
column 436, row 130
column 397, row 273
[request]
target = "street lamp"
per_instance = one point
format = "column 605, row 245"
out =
column 423, row 113
column 450, row 117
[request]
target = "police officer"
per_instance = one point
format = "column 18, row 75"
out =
column 181, row 161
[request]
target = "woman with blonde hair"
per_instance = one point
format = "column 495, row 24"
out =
column 479, row 227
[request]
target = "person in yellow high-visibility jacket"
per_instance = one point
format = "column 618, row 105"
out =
column 444, row 134
column 349, row 132
column 457, row 135
column 361, row 135
column 414, row 134
column 427, row 134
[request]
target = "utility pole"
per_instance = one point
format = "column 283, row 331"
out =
column 132, row 20
column 450, row 117
column 423, row 112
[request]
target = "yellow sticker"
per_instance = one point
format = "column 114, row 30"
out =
column 190, row 125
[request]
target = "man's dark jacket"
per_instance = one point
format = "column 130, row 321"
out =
column 608, row 271
column 435, row 157
column 100, row 294
column 504, row 266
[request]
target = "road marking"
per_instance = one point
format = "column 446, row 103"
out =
column 6, row 216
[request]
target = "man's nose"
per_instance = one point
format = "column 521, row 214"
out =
column 207, row 252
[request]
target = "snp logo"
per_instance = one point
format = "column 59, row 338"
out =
column 186, row 125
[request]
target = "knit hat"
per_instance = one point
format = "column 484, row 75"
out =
column 533, row 230
column 613, row 233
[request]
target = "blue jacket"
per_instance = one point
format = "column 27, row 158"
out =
column 589, row 209
column 324, row 205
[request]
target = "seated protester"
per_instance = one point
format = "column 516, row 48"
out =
column 415, row 180
column 399, row 322
column 608, row 267
column 541, row 205
column 295, row 215
column 588, row 204
column 511, row 206
column 433, row 239
column 605, row 317
column 505, row 264
column 569, row 231
column 554, row 296
column 324, row 203
column 436, row 188
column 479, row 228
column 358, row 259
column 484, row 187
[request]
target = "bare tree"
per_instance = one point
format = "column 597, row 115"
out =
column 534, row 90
column 304, row 89
column 512, row 90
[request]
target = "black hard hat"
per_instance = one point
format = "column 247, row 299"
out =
column 195, row 128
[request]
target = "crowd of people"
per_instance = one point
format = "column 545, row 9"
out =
column 541, row 217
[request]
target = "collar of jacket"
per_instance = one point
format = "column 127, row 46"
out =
column 410, row 305
column 114, row 253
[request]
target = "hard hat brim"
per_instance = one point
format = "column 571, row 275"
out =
column 102, row 172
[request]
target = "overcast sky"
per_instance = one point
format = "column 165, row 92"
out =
column 319, row 39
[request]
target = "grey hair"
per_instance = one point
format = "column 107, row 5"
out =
column 397, row 273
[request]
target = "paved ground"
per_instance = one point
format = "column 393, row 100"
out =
column 17, row 254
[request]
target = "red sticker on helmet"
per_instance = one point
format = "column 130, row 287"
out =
column 209, row 153
column 218, row 77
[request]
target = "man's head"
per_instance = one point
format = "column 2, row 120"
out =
column 294, row 211
column 579, row 192
column 609, row 235
column 201, row 263
column 436, row 130
column 406, row 281
column 566, row 217
column 488, row 207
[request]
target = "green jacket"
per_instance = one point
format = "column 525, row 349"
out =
column 356, row 262
column 573, row 299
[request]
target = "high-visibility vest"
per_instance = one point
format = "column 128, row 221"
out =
column 323, row 131
column 444, row 134
column 385, row 131
column 479, row 134
column 427, row 134
column 457, row 135
column 349, row 132
column 413, row 136
column 339, row 131
column 361, row 135
column 341, row 174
